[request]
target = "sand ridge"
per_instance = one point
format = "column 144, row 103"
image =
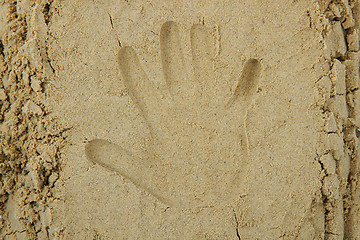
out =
column 30, row 138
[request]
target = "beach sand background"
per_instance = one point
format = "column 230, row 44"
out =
column 62, row 88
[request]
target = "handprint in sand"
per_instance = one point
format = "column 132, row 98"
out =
column 198, row 151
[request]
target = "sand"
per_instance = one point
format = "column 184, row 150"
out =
column 179, row 119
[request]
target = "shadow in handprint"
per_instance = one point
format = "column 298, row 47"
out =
column 198, row 153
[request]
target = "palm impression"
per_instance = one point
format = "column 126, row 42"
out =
column 198, row 150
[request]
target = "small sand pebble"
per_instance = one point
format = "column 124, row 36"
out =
column 3, row 95
column 31, row 108
column 35, row 84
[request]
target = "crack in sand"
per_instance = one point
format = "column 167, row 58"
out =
column 237, row 225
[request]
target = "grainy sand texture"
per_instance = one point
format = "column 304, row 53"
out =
column 186, row 119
